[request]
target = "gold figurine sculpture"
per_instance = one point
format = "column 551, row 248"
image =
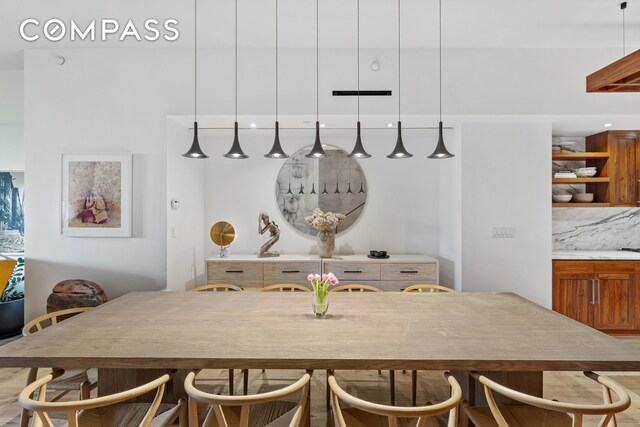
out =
column 264, row 225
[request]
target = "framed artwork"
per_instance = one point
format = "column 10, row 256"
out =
column 96, row 195
column 11, row 212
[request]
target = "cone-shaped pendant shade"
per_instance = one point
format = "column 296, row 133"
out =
column 195, row 152
column 441, row 151
column 358, row 150
column 276, row 151
column 317, row 151
column 236, row 151
column 399, row 152
column 325, row 189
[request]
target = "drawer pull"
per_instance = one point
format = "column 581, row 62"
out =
column 290, row 271
column 234, row 271
column 408, row 271
column 353, row 272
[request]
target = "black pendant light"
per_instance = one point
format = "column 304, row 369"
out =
column 399, row 152
column 313, row 188
column 236, row 151
column 325, row 189
column 276, row 151
column 361, row 188
column 441, row 151
column 358, row 150
column 317, row 151
column 301, row 189
column 195, row 152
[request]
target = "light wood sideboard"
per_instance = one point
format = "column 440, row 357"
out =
column 392, row 274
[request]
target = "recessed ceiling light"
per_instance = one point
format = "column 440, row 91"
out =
column 389, row 125
column 375, row 66
column 253, row 125
column 608, row 125
column 322, row 125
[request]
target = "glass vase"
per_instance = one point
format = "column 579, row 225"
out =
column 320, row 304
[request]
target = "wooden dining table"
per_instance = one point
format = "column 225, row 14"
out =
column 502, row 334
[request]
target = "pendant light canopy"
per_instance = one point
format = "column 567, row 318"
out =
column 276, row 150
column 236, row 151
column 399, row 152
column 195, row 152
column 441, row 151
column 358, row 150
column 317, row 151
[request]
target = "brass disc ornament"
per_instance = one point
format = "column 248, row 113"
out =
column 222, row 233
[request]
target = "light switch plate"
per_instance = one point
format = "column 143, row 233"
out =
column 504, row 233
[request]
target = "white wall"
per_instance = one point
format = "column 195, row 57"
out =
column 100, row 101
column 11, row 119
column 401, row 212
column 185, row 225
column 505, row 183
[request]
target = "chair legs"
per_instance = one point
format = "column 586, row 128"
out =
column 414, row 388
column 464, row 418
column 231, row 382
column 392, row 387
column 245, row 381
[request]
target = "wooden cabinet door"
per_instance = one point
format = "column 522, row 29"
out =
column 614, row 302
column 572, row 295
column 623, row 168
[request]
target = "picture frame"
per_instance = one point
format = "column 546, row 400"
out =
column 96, row 195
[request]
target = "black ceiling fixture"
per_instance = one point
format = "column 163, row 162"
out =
column 358, row 150
column 317, row 151
column 236, row 151
column 276, row 151
column 399, row 152
column 195, row 152
column 441, row 151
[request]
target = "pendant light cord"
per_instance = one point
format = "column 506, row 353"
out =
column 399, row 68
column 195, row 60
column 276, row 60
column 317, row 62
column 623, row 7
column 440, row 51
column 358, row 26
column 236, row 59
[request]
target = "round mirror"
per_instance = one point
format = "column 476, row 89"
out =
column 334, row 183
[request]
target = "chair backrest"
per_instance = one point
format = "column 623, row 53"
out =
column 428, row 288
column 423, row 413
column 217, row 288
column 41, row 408
column 356, row 288
column 290, row 287
column 50, row 319
column 216, row 402
column 607, row 410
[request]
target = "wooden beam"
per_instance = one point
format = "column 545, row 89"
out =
column 619, row 76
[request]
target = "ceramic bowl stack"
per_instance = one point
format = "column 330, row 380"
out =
column 562, row 198
column 586, row 172
column 583, row 198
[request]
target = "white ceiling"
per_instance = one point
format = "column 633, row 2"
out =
column 466, row 24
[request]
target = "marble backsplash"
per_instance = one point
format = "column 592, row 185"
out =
column 596, row 228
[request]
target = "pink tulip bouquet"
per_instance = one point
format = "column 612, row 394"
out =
column 320, row 285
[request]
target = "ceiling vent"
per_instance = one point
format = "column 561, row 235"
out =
column 362, row 93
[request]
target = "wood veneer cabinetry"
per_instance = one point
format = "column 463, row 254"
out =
column 616, row 155
column 622, row 167
column 601, row 294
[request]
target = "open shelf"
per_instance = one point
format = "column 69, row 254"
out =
column 581, row 205
column 579, row 156
column 592, row 180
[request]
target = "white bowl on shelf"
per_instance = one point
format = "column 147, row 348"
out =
column 582, row 198
column 586, row 172
column 562, row 198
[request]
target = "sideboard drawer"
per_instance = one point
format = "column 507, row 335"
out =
column 425, row 273
column 347, row 272
column 289, row 272
column 240, row 274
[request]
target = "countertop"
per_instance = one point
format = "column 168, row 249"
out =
column 401, row 258
column 604, row 255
